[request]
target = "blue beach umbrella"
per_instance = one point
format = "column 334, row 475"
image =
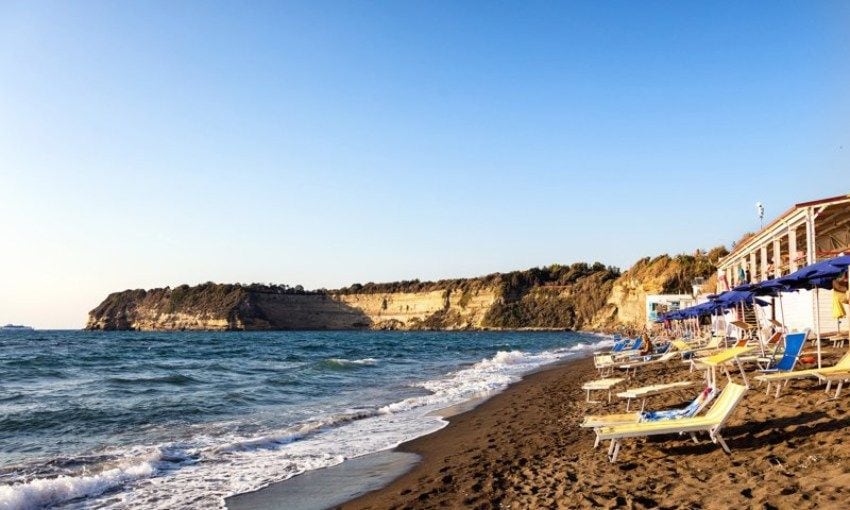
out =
column 842, row 262
column 814, row 276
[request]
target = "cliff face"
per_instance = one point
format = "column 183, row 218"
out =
column 439, row 309
column 206, row 307
column 626, row 303
column 578, row 296
column 557, row 297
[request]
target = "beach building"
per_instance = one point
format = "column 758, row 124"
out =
column 657, row 304
column 806, row 233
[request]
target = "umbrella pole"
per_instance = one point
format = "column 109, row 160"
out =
column 760, row 334
column 817, row 323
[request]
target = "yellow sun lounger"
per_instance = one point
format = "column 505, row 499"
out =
column 834, row 376
column 712, row 345
column 683, row 346
column 712, row 422
column 721, row 359
column 783, row 377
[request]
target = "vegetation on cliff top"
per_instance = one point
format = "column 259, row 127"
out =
column 554, row 297
column 677, row 272
column 514, row 281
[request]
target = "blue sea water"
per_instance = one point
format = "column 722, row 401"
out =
column 182, row 420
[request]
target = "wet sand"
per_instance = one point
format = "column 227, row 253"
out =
column 327, row 487
column 523, row 449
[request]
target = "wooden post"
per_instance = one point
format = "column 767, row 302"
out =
column 792, row 248
column 763, row 272
column 777, row 258
column 810, row 237
column 754, row 268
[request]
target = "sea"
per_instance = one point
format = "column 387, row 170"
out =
column 114, row 420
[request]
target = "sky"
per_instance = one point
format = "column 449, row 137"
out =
column 150, row 144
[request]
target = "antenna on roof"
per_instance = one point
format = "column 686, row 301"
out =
column 760, row 211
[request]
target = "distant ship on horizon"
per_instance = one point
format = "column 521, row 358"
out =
column 15, row 327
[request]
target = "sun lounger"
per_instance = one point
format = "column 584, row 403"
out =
column 712, row 423
column 782, row 378
column 601, row 385
column 593, row 421
column 721, row 359
column 645, row 392
column 604, row 364
column 766, row 360
column 683, row 346
column 647, row 361
column 619, row 345
column 793, row 346
column 835, row 376
column 713, row 345
column 632, row 350
column 692, row 409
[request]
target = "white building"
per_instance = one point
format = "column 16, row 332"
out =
column 657, row 304
column 806, row 233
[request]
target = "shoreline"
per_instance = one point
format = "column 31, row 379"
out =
column 523, row 448
column 416, row 454
column 437, row 449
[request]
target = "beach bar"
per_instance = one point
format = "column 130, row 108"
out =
column 806, row 233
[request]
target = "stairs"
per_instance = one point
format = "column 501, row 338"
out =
column 750, row 316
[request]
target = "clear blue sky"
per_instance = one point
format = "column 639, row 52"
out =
column 148, row 144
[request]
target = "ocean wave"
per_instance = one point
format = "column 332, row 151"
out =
column 174, row 379
column 601, row 344
column 488, row 376
column 44, row 492
column 213, row 463
column 349, row 363
column 296, row 432
column 347, row 434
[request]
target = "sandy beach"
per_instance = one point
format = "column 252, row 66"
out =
column 523, row 449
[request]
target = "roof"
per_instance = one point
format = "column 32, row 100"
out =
column 780, row 219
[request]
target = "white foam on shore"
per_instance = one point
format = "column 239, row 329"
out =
column 201, row 474
column 41, row 493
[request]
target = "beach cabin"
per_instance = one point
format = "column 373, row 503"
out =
column 806, row 233
column 657, row 304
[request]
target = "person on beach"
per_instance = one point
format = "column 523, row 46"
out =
column 646, row 348
column 840, row 295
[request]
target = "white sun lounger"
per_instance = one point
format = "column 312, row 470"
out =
column 650, row 391
column 601, row 385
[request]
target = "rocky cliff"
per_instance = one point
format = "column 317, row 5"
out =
column 556, row 297
column 577, row 296
column 626, row 303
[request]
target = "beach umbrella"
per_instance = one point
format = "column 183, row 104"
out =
column 814, row 276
